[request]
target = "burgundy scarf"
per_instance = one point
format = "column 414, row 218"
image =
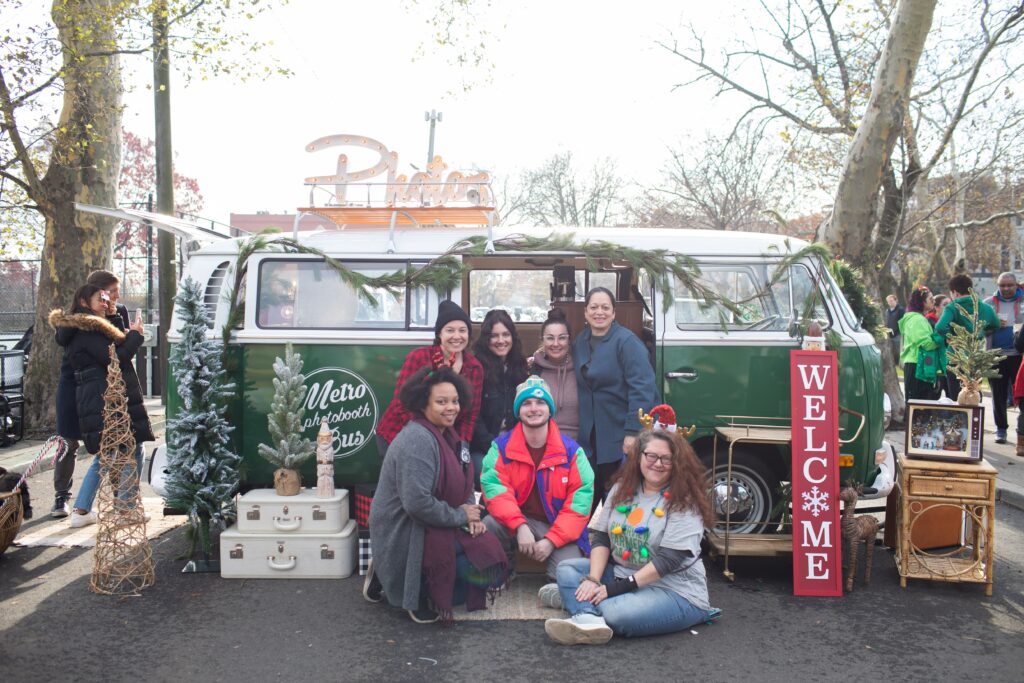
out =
column 454, row 486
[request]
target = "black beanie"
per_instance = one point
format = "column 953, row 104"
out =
column 448, row 311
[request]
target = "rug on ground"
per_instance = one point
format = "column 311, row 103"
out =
column 517, row 602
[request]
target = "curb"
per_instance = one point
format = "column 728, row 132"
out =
column 47, row 464
column 1010, row 496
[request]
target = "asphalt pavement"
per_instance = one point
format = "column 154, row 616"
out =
column 199, row 626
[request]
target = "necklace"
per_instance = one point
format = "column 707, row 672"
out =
column 633, row 536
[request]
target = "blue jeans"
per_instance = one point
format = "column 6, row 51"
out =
column 646, row 611
column 91, row 483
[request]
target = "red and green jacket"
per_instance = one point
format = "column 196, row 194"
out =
column 564, row 479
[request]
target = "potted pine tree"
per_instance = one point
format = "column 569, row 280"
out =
column 288, row 448
column 967, row 357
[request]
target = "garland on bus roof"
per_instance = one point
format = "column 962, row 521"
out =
column 446, row 271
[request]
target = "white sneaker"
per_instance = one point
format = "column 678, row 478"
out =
column 78, row 520
column 550, row 596
column 580, row 629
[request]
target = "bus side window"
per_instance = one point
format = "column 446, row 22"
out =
column 308, row 294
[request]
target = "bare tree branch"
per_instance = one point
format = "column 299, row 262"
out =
column 844, row 75
column 31, row 182
column 710, row 71
column 982, row 222
column 1012, row 19
column 16, row 180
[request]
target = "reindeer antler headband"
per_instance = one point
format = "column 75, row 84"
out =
column 663, row 418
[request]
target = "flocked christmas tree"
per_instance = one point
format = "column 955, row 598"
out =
column 968, row 357
column 202, row 476
column 288, row 448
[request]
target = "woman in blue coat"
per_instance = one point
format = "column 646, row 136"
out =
column 615, row 379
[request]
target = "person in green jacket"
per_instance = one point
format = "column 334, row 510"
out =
column 916, row 332
column 960, row 287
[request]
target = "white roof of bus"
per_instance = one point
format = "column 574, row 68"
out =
column 427, row 242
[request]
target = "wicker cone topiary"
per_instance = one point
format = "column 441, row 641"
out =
column 123, row 562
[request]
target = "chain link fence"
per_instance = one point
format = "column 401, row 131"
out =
column 19, row 286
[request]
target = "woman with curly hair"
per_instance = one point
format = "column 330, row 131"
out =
column 430, row 549
column 644, row 575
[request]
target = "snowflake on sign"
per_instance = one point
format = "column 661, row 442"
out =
column 815, row 501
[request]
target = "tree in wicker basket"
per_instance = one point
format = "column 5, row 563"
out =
column 288, row 448
column 967, row 356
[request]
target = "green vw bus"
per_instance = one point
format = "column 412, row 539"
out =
column 712, row 362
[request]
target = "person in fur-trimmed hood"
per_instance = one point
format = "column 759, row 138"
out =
column 86, row 335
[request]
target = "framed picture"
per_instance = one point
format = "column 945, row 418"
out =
column 944, row 431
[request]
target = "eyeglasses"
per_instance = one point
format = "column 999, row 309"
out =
column 654, row 458
column 551, row 339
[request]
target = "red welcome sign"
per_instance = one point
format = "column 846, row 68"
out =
column 814, row 405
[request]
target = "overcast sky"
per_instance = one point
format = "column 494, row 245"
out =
column 570, row 75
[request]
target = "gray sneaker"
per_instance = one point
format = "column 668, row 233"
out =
column 60, row 508
column 580, row 629
column 550, row 596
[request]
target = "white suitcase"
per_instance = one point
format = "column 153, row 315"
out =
column 262, row 511
column 288, row 556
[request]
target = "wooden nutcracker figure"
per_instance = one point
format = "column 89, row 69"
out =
column 324, row 462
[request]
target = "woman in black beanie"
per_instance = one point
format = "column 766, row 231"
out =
column 450, row 348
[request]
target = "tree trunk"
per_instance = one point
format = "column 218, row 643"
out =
column 84, row 166
column 857, row 204
column 863, row 223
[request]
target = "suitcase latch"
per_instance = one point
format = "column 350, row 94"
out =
column 318, row 514
column 326, row 554
column 254, row 514
column 237, row 553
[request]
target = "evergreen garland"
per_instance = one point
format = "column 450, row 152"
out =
column 967, row 356
column 202, row 476
column 851, row 281
column 446, row 271
column 289, row 447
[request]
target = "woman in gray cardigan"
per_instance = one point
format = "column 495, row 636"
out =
column 615, row 378
column 428, row 540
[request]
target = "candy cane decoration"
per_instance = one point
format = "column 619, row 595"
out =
column 59, row 447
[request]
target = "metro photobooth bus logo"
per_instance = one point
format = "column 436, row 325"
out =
column 348, row 403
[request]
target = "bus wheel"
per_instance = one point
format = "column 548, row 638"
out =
column 753, row 495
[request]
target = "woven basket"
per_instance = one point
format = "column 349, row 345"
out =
column 10, row 518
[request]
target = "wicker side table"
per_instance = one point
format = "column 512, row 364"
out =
column 969, row 487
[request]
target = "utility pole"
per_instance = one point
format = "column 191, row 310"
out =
column 433, row 117
column 166, row 272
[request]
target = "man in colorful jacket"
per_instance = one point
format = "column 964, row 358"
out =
column 537, row 484
column 1007, row 304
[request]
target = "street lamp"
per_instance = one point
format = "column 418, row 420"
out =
column 433, row 117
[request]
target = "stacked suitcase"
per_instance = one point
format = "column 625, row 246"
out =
column 294, row 537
